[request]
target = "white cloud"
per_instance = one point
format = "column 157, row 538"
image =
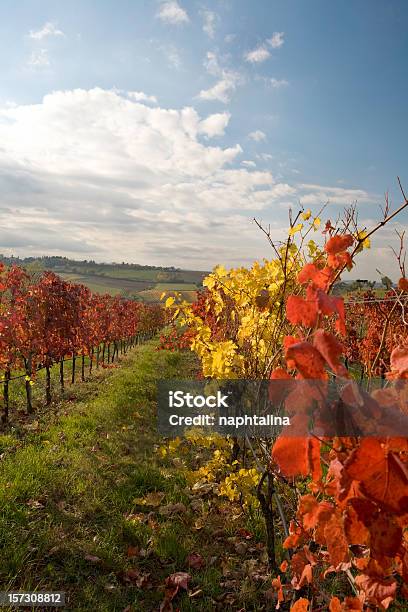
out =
column 214, row 125
column 225, row 86
column 171, row 12
column 262, row 53
column 265, row 156
column 48, row 29
column 210, row 20
column 171, row 54
column 313, row 194
column 140, row 96
column 100, row 173
column 277, row 83
column 212, row 65
column 221, row 91
column 277, row 40
column 39, row 59
column 229, row 38
column 257, row 135
column 258, row 55
column 173, row 57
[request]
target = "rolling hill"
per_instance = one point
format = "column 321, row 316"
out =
column 144, row 283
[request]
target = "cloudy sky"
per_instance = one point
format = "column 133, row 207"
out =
column 153, row 132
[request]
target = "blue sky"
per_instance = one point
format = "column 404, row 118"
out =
column 286, row 102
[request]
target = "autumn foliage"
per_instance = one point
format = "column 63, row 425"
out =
column 374, row 327
column 354, row 519
column 282, row 319
column 48, row 320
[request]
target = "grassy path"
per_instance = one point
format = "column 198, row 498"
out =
column 68, row 517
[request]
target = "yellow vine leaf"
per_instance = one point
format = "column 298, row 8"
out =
column 296, row 228
column 366, row 244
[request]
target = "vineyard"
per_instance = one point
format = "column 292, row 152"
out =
column 122, row 519
column 50, row 321
column 335, row 509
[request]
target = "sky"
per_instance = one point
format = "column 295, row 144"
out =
column 155, row 131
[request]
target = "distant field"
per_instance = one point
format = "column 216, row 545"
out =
column 148, row 291
column 176, row 286
column 378, row 292
column 141, row 282
column 111, row 282
column 132, row 274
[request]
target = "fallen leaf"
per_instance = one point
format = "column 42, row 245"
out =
column 169, row 509
column 202, row 487
column 151, row 499
column 135, row 576
column 132, row 551
column 199, row 523
column 35, row 504
column 195, row 561
column 92, row 559
column 139, row 517
column 173, row 584
column 241, row 548
column 244, row 533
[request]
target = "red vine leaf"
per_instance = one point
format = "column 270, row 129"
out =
column 319, row 277
column 308, row 511
column 358, row 518
column 336, row 244
column 297, row 456
column 302, row 570
column 331, row 349
column 378, row 591
column 300, row 311
column 350, row 604
column 386, row 537
column 336, row 540
column 308, row 361
column 276, row 583
column 291, row 454
column 383, row 477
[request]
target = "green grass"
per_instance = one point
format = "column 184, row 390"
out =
column 71, row 497
column 67, row 488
